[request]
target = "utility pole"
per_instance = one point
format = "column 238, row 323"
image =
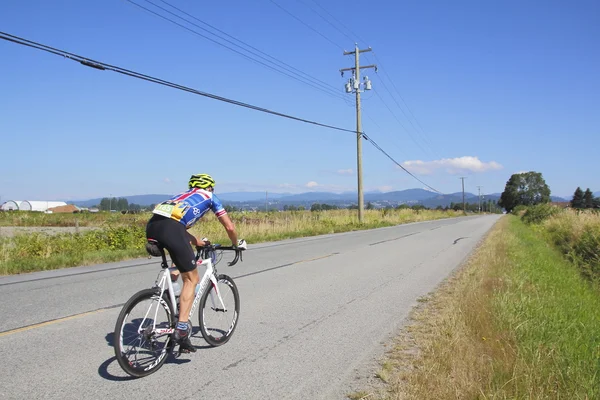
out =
column 463, row 191
column 267, row 201
column 353, row 84
column 479, row 196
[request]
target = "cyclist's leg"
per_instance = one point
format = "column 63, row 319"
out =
column 174, row 237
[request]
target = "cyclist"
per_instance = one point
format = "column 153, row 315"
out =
column 169, row 226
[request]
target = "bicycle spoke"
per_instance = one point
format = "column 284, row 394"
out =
column 142, row 342
column 219, row 313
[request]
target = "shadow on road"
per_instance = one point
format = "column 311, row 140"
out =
column 173, row 358
column 103, row 372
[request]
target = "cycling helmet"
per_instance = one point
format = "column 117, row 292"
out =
column 201, row 181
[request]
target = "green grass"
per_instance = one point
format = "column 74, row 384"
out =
column 552, row 315
column 120, row 237
column 37, row 219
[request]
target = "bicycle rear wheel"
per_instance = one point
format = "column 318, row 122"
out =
column 217, row 323
column 142, row 339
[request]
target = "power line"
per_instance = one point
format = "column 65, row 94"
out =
column 326, row 20
column 383, row 101
column 401, row 98
column 400, row 123
column 305, row 24
column 396, row 162
column 330, row 91
column 104, row 66
column 341, row 23
column 88, row 62
column 425, row 141
column 385, row 86
column 381, row 129
column 333, row 88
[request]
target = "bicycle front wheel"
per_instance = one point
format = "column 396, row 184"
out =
column 142, row 337
column 218, row 319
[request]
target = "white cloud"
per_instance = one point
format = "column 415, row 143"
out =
column 167, row 180
column 312, row 184
column 385, row 188
column 346, row 172
column 451, row 165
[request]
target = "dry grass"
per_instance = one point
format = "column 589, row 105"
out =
column 447, row 350
column 261, row 227
column 125, row 234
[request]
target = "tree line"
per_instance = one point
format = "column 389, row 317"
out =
column 118, row 204
column 530, row 188
column 585, row 199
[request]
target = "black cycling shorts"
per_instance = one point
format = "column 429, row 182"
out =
column 173, row 236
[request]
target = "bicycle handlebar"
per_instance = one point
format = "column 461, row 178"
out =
column 205, row 250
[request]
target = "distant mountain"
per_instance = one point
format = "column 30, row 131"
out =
column 142, row 199
column 597, row 194
column 407, row 195
column 278, row 200
column 318, row 197
column 250, row 196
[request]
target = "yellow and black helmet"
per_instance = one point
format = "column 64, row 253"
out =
column 201, row 181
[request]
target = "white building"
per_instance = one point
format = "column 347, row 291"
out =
column 31, row 205
column 11, row 205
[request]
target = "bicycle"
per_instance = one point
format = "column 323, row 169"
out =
column 142, row 343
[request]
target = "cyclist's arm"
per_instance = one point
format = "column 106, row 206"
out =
column 229, row 227
column 224, row 219
column 194, row 240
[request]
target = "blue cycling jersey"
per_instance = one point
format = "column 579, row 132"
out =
column 188, row 207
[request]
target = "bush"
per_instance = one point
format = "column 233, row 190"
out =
column 539, row 213
column 519, row 210
column 577, row 236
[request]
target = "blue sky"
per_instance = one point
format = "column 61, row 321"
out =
column 480, row 89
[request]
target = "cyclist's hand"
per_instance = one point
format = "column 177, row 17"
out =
column 242, row 245
column 203, row 242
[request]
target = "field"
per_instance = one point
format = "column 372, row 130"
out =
column 103, row 237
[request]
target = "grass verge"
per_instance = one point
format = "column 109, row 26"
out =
column 516, row 322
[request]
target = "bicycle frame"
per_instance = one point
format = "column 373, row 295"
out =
column 164, row 280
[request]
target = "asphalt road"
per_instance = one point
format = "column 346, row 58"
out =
column 315, row 314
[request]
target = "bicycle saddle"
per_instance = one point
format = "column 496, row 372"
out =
column 154, row 248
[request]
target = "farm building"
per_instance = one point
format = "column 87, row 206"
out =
column 69, row 208
column 30, row 205
column 11, row 205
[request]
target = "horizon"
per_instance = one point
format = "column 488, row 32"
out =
column 166, row 195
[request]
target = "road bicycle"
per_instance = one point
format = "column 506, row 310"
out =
column 144, row 328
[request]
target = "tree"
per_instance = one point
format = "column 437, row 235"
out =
column 588, row 199
column 122, row 204
column 369, row 206
column 229, row 208
column 526, row 189
column 104, row 204
column 577, row 200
